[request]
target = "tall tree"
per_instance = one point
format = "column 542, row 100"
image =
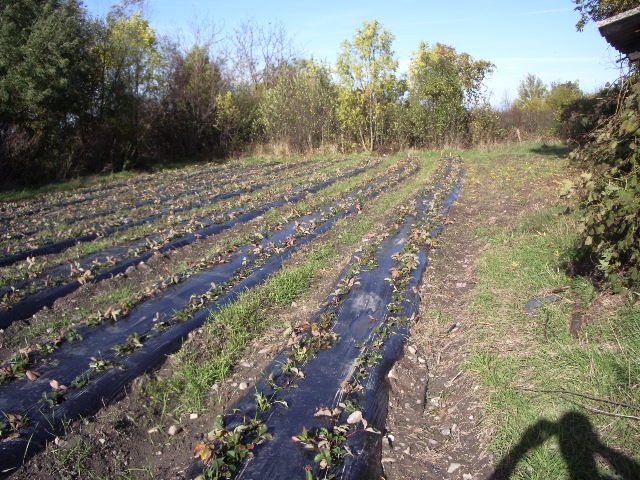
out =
column 45, row 80
column 367, row 67
column 443, row 86
column 189, row 107
column 532, row 93
column 562, row 94
column 130, row 64
column 300, row 106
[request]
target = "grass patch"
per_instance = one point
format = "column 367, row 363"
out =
column 73, row 460
column 552, row 435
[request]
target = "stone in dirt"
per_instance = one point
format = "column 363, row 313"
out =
column 355, row 417
column 243, row 386
column 453, row 467
column 174, row 429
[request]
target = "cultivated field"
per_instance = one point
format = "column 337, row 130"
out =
column 100, row 285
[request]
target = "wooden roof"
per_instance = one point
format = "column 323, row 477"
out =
column 623, row 32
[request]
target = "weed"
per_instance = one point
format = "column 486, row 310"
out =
column 73, row 459
column 262, row 402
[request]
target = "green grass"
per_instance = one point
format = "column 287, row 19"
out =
column 39, row 331
column 73, row 459
column 229, row 331
column 117, row 296
column 46, row 330
column 513, row 350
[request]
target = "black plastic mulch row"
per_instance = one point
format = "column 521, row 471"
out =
column 364, row 309
column 45, row 298
column 184, row 193
column 62, row 245
column 31, row 304
column 151, row 178
column 364, row 193
column 70, row 361
column 59, row 271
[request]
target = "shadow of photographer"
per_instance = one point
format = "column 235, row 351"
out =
column 579, row 446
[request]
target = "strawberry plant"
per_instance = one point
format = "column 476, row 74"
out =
column 10, row 428
column 134, row 342
column 328, row 443
column 17, row 367
column 102, row 364
column 56, row 396
column 81, row 381
column 226, row 449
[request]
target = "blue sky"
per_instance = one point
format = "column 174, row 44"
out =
column 518, row 37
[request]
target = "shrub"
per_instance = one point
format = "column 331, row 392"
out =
column 610, row 206
column 581, row 116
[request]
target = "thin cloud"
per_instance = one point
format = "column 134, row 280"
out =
column 547, row 59
column 431, row 22
column 542, row 12
column 473, row 19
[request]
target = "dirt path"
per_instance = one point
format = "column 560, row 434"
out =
column 436, row 427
